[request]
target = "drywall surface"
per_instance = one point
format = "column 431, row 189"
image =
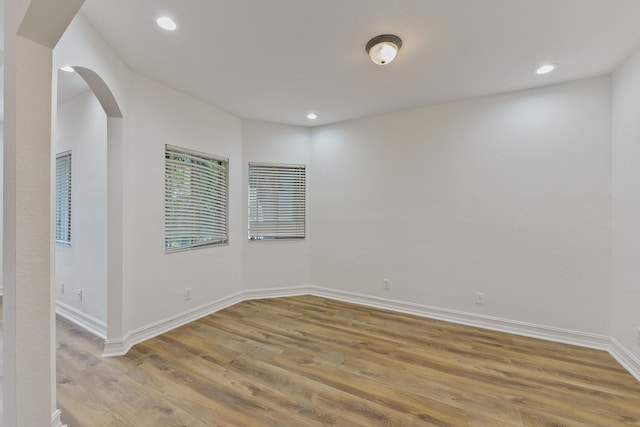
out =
column 82, row 128
column 154, row 281
column 504, row 195
column 82, row 46
column 28, row 334
column 268, row 263
column 1, row 197
column 626, row 204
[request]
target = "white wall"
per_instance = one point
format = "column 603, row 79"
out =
column 82, row 46
column 506, row 195
column 626, row 205
column 1, row 197
column 268, row 263
column 155, row 281
column 82, row 128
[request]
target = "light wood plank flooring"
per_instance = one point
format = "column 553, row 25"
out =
column 1, row 364
column 309, row 361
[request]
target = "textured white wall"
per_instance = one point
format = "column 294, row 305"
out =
column 82, row 128
column 273, row 264
column 155, row 281
column 1, row 196
column 28, row 321
column 626, row 204
column 506, row 195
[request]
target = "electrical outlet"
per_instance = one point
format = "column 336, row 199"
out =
column 61, row 287
column 386, row 284
column 79, row 294
column 479, row 298
column 187, row 294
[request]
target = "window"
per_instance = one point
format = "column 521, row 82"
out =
column 63, row 198
column 196, row 194
column 276, row 202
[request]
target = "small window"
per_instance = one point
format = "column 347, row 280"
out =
column 63, row 198
column 276, row 201
column 196, row 199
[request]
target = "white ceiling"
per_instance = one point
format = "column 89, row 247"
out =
column 277, row 60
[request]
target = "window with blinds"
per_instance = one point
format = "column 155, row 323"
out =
column 63, row 198
column 196, row 199
column 276, row 201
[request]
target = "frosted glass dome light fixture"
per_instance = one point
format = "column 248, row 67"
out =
column 383, row 49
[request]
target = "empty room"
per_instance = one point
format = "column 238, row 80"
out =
column 330, row 213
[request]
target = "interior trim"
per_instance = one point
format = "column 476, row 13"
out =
column 549, row 333
column 91, row 324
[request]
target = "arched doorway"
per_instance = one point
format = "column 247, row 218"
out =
column 115, row 166
column 79, row 146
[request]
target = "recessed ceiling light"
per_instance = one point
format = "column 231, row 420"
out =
column 67, row 68
column 546, row 68
column 312, row 116
column 166, row 23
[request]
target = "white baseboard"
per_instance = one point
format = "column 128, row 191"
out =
column 55, row 419
column 91, row 324
column 630, row 362
column 549, row 333
column 291, row 291
column 121, row 347
column 599, row 342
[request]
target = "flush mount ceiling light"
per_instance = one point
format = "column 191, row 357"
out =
column 166, row 23
column 546, row 69
column 383, row 49
column 67, row 68
column 312, row 116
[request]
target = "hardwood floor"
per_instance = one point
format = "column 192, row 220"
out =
column 308, row 361
column 1, row 364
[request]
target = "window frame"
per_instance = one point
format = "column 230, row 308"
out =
column 296, row 207
column 63, row 235
column 203, row 186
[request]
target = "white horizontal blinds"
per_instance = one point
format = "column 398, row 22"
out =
column 63, row 198
column 196, row 199
column 276, row 201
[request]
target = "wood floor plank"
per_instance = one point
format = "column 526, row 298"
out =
column 530, row 379
column 310, row 361
column 335, row 354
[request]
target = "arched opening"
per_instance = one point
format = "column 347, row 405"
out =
column 115, row 159
column 106, row 320
column 87, row 268
column 80, row 150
